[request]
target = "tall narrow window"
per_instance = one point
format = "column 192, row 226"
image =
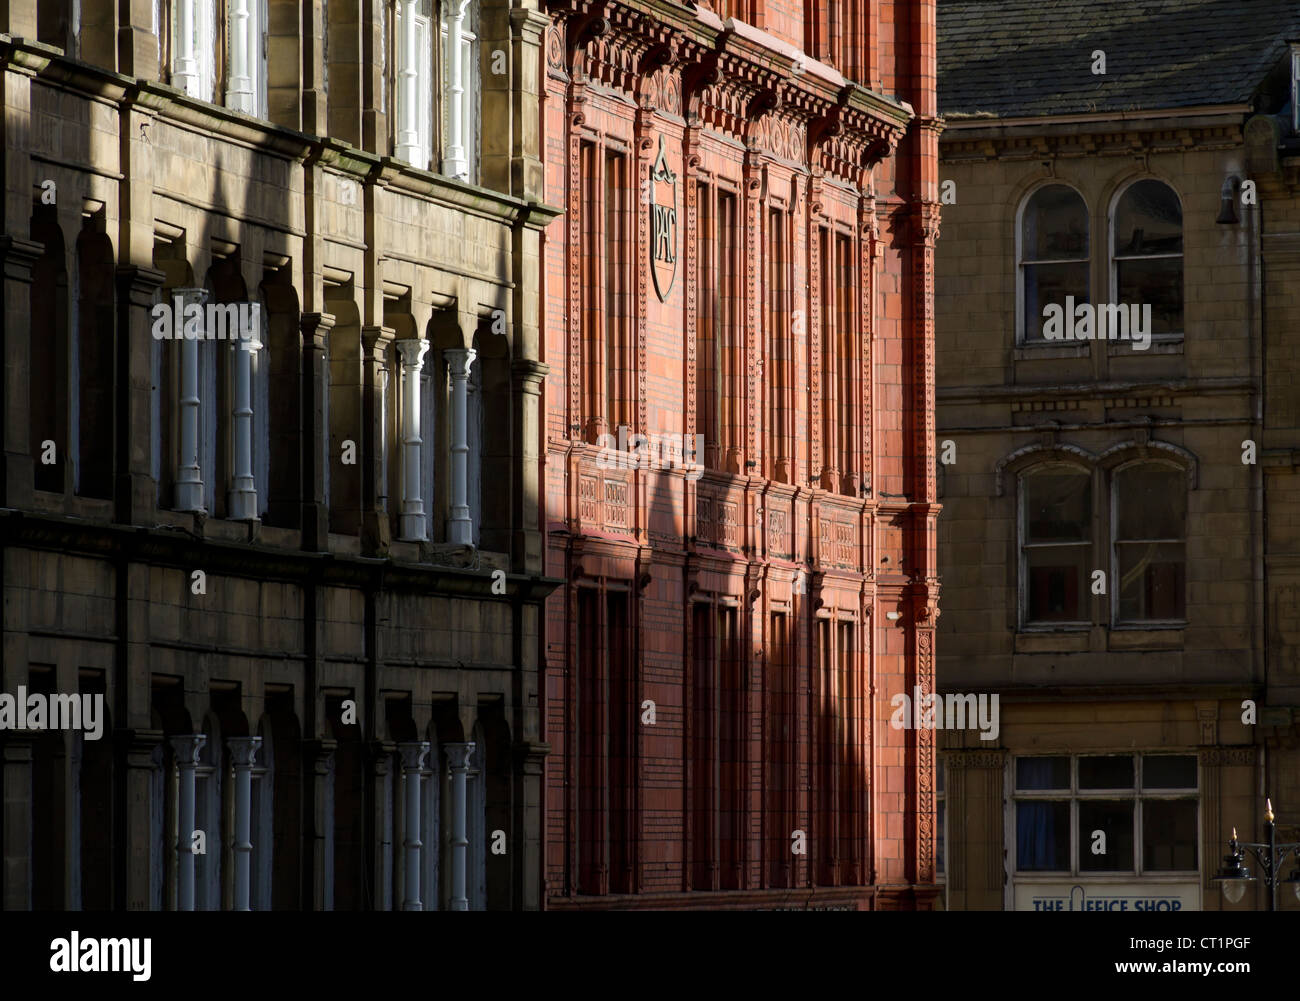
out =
column 413, row 31
column 1053, row 255
column 1150, row 543
column 779, row 749
column 246, row 51
column 732, row 747
column 460, row 89
column 708, row 353
column 622, row 746
column 704, row 780
column 777, row 371
column 615, row 290
column 1148, row 254
column 727, row 333
column 851, row 775
column 598, row 419
column 1056, row 543
column 592, row 859
column 848, row 362
column 832, row 361
column 828, row 806
column 48, row 366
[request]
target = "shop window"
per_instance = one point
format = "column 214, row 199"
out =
column 1144, row 805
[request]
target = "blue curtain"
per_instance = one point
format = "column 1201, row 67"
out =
column 1036, row 831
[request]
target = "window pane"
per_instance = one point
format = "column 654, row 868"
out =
column 1151, row 580
column 1115, row 819
column 939, row 841
column 1152, row 502
column 1169, row 835
column 1043, row 837
column 1055, row 225
column 1057, row 506
column 1149, row 220
column 1043, row 773
column 1158, row 283
column 1056, row 580
column 1051, row 283
column 1169, row 771
column 1108, row 772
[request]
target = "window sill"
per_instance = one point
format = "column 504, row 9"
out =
column 1072, row 639
column 1158, row 346
column 1168, row 637
column 1045, row 351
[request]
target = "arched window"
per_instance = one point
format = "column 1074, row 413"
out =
column 1052, row 253
column 1150, row 547
column 1147, row 254
column 1055, row 544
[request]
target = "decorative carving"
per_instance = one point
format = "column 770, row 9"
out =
column 554, row 48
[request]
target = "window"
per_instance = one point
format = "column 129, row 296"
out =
column 1053, row 255
column 414, row 83
column 776, row 374
column 1106, row 814
column 1150, row 515
column 848, row 360
column 1056, row 543
column 246, row 45
column 194, row 47
column 460, row 87
column 940, row 817
column 716, row 391
column 1147, row 254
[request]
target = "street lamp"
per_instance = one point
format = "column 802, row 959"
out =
column 1234, row 876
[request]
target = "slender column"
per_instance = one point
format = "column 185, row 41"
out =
column 243, row 750
column 185, row 67
column 239, row 95
column 460, row 529
column 243, row 490
column 413, row 524
column 187, row 749
column 413, row 755
column 458, row 757
column 455, row 163
column 189, row 477
column 408, row 134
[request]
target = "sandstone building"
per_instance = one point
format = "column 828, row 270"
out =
column 1119, row 546
column 745, row 261
column 304, row 570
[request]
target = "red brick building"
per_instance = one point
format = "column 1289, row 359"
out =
column 746, row 255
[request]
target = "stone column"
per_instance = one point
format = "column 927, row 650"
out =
column 243, row 750
column 460, row 530
column 189, row 477
column 315, row 434
column 458, row 756
column 187, row 749
column 318, row 833
column 408, row 134
column 413, row 755
column 413, row 523
column 243, row 488
column 456, row 163
column 239, row 94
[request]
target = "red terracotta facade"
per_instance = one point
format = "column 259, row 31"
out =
column 746, row 255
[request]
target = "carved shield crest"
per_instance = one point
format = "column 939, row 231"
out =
column 663, row 224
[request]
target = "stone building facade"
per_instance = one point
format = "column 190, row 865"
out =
column 743, row 273
column 1119, row 541
column 304, row 569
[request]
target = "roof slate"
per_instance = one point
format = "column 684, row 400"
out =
column 1025, row 58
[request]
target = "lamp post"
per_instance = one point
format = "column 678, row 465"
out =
column 1233, row 877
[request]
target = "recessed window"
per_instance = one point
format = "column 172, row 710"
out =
column 1056, row 540
column 1053, row 255
column 1147, row 251
column 1150, row 547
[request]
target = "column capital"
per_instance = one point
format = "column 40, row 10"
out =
column 458, row 755
column 412, row 351
column 413, row 754
column 528, row 374
column 459, row 360
column 187, row 747
column 243, row 750
column 315, row 328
